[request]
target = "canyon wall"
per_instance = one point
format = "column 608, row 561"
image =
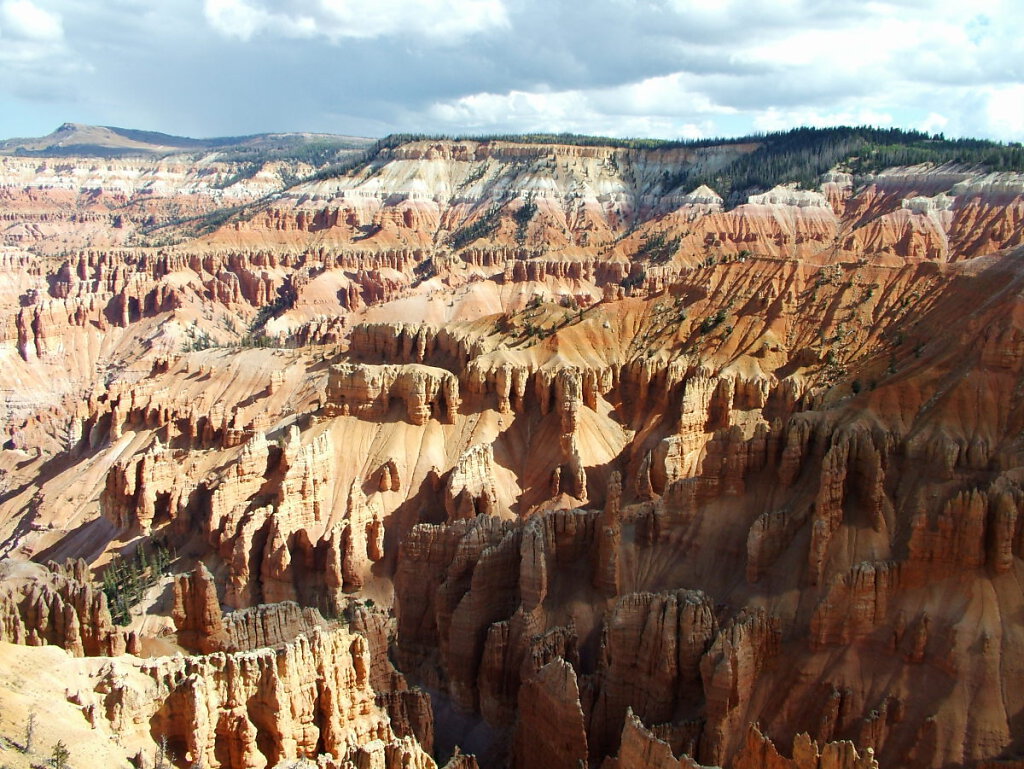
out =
column 519, row 450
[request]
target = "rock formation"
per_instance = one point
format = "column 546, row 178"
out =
column 61, row 607
column 366, row 391
column 536, row 450
column 469, row 490
column 216, row 707
column 550, row 731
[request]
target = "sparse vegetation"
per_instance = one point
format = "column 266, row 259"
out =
column 800, row 155
column 522, row 218
column 197, row 339
column 829, row 275
column 163, row 759
column 712, row 322
column 480, row 228
column 30, row 731
column 658, row 249
column 425, row 270
column 126, row 579
column 60, row 756
column 797, row 156
column 284, row 301
column 473, row 176
column 634, row 279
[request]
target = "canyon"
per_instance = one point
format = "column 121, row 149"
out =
column 510, row 453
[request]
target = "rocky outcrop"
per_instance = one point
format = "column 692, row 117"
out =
column 729, row 673
column 268, row 625
column 145, row 491
column 411, row 716
column 426, row 556
column 60, row 607
column 607, row 572
column 390, row 479
column 651, row 661
column 302, row 496
column 216, row 707
column 702, row 465
column 550, row 730
column 469, row 490
column 366, row 391
column 197, row 613
column 640, row 747
column 856, row 603
column 758, row 752
column 394, row 754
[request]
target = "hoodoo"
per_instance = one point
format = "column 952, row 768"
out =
column 515, row 453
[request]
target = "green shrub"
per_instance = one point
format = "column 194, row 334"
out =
column 126, row 579
column 713, row 321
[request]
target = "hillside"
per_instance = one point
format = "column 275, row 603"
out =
column 515, row 451
column 78, row 140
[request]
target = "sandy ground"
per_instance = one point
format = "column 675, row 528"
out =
column 40, row 680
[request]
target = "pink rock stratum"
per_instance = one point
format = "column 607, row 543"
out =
column 508, row 454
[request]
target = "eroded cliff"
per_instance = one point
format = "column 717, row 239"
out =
column 612, row 470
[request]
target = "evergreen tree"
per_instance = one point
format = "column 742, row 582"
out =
column 60, row 756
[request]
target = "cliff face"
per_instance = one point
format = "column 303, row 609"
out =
column 257, row 709
column 59, row 606
column 308, row 697
column 609, row 469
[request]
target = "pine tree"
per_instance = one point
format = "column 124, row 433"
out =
column 60, row 757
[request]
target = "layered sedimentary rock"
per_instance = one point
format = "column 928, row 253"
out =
column 145, row 491
column 758, row 751
column 639, row 747
column 366, row 391
column 216, row 707
column 652, row 653
column 469, row 490
column 612, row 467
column 729, row 673
column 550, row 730
column 60, row 606
column 196, row 613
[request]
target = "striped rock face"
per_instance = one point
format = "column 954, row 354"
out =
column 536, row 451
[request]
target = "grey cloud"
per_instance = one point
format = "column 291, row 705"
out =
column 166, row 66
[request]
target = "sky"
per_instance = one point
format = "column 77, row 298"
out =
column 630, row 68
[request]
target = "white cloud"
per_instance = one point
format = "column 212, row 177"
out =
column 621, row 67
column 24, row 20
column 773, row 119
column 660, row 107
column 439, row 20
column 36, row 62
column 235, row 18
column 1005, row 111
column 934, row 123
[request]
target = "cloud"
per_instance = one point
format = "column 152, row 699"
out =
column 35, row 62
column 622, row 67
column 933, row 123
column 1004, row 111
column 659, row 106
column 24, row 20
column 438, row 20
column 774, row 119
column 798, row 62
column 236, row 18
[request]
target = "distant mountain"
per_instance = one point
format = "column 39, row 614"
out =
column 76, row 139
